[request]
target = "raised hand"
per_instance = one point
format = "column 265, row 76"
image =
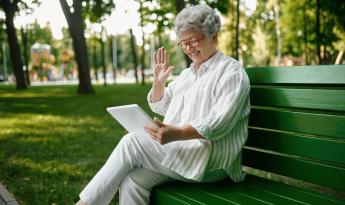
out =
column 161, row 68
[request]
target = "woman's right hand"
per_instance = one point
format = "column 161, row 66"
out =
column 161, row 68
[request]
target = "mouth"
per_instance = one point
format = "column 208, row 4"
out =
column 194, row 54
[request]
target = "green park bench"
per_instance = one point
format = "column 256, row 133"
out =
column 296, row 134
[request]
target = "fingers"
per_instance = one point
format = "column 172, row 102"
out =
column 151, row 128
column 158, row 122
column 155, row 57
column 153, row 132
column 169, row 70
column 161, row 56
column 162, row 60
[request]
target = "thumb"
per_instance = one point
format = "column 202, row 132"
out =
column 158, row 122
column 169, row 69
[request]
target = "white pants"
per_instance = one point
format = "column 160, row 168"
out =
column 133, row 167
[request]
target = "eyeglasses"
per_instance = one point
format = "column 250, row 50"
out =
column 191, row 44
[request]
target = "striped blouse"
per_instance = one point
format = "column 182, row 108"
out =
column 215, row 101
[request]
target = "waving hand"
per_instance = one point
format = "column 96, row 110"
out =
column 161, row 68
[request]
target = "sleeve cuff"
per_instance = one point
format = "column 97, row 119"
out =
column 201, row 127
column 159, row 107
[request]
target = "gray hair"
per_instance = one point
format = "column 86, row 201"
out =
column 201, row 17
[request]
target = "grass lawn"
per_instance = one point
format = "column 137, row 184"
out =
column 52, row 141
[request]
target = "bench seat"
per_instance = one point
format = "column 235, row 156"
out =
column 253, row 190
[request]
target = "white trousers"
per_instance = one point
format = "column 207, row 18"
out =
column 133, row 168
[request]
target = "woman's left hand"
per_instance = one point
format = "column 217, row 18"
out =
column 164, row 133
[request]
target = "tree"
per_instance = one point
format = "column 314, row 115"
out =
column 101, row 41
column 134, row 55
column 24, row 35
column 10, row 7
column 93, row 41
column 3, row 53
column 142, row 22
column 336, row 7
column 34, row 33
column 237, row 43
column 318, row 35
column 75, row 14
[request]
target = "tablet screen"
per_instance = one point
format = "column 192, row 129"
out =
column 132, row 117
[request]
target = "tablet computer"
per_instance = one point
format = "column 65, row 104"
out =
column 132, row 117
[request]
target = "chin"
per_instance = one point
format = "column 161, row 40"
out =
column 197, row 60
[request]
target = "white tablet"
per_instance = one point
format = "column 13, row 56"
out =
column 132, row 117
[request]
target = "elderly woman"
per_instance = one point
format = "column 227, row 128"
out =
column 205, row 113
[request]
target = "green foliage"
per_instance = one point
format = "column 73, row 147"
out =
column 40, row 34
column 52, row 142
column 337, row 8
column 221, row 5
column 96, row 10
column 124, row 52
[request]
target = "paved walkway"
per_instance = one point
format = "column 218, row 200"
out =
column 6, row 198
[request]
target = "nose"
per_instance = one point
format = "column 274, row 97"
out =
column 188, row 48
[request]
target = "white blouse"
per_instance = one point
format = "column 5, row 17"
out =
column 215, row 101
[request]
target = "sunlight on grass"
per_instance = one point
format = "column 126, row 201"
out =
column 49, row 167
column 29, row 95
column 37, row 124
column 52, row 141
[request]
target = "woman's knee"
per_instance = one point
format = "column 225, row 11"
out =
column 137, row 140
column 129, row 136
column 141, row 178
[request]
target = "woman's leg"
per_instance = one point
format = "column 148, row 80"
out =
column 136, row 188
column 133, row 151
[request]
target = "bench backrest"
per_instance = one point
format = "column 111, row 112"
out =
column 297, row 123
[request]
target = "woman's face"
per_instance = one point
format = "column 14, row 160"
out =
column 197, row 46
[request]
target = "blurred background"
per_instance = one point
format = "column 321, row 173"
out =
column 53, row 141
column 100, row 42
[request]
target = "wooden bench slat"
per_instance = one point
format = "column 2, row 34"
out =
column 323, row 99
column 235, row 196
column 166, row 197
column 244, row 194
column 313, row 172
column 300, row 122
column 298, row 144
column 253, row 191
column 326, row 74
column 292, row 192
column 195, row 196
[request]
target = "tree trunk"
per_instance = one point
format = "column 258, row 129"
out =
column 142, row 67
column 279, row 40
column 113, row 56
column 318, row 35
column 75, row 26
column 17, row 64
column 25, row 54
column 94, row 59
column 305, row 31
column 134, row 55
column 103, row 58
column 180, row 4
column 237, row 43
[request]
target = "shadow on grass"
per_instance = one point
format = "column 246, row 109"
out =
column 52, row 141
